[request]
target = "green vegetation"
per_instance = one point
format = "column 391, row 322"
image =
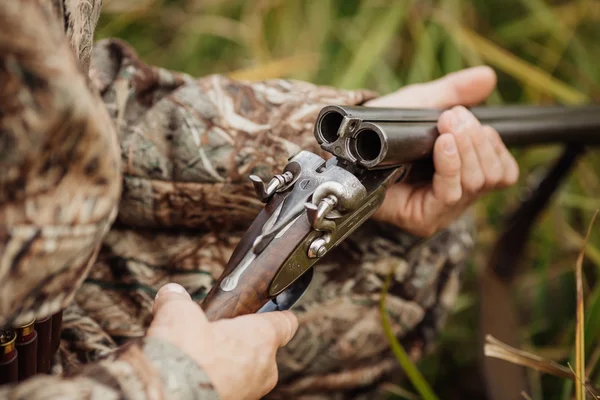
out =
column 544, row 52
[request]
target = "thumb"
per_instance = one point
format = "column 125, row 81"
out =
column 167, row 293
column 283, row 323
column 466, row 87
column 173, row 306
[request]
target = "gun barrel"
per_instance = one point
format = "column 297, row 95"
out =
column 375, row 144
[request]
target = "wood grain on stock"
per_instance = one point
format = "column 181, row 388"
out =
column 251, row 292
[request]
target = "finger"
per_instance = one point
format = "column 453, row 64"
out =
column 467, row 87
column 399, row 204
column 446, row 180
column 167, row 293
column 174, row 313
column 488, row 157
column 510, row 166
column 283, row 324
column 461, row 124
column 173, row 306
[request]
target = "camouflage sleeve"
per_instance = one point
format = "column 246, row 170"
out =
column 188, row 145
column 60, row 182
column 144, row 369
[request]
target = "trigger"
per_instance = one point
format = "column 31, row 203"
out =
column 290, row 296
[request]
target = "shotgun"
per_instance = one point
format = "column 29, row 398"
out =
column 314, row 204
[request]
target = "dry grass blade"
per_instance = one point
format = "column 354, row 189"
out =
column 399, row 391
column 513, row 65
column 526, row 396
column 582, row 384
column 497, row 349
column 580, row 334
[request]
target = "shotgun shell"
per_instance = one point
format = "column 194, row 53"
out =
column 43, row 328
column 27, row 350
column 56, row 330
column 9, row 365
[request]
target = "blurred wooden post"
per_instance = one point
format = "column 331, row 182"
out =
column 505, row 381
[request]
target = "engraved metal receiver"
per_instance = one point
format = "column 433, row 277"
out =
column 315, row 204
column 310, row 208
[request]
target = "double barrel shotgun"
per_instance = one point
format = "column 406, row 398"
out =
column 314, row 204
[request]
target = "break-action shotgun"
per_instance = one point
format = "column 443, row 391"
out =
column 314, row 204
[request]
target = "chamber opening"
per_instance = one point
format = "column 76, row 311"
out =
column 330, row 124
column 368, row 145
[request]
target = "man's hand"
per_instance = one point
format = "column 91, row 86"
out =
column 237, row 354
column 469, row 159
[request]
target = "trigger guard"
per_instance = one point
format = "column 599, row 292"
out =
column 290, row 296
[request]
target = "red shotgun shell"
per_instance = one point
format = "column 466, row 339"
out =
column 27, row 350
column 9, row 365
column 43, row 328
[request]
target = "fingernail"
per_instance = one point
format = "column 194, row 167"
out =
column 171, row 288
column 450, row 147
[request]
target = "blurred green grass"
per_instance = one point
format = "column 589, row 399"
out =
column 543, row 52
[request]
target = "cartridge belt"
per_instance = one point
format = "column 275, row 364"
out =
column 28, row 349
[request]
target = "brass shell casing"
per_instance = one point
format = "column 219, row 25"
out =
column 27, row 344
column 9, row 366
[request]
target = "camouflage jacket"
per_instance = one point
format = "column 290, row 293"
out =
column 117, row 177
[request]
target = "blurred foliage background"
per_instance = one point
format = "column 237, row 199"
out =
column 543, row 51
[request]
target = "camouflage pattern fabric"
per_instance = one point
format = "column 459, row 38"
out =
column 179, row 183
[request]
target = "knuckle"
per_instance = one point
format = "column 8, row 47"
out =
column 448, row 166
column 464, row 114
column 459, row 109
column 482, row 142
column 290, row 323
column 474, row 184
column 452, row 197
column 417, row 224
column 489, row 131
column 401, row 214
column 512, row 177
column 471, row 124
column 446, row 120
column 494, row 176
column 497, row 142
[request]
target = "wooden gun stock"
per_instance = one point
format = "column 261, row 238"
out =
column 251, row 292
